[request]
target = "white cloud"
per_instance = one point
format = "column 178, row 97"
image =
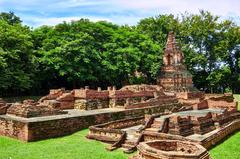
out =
column 77, row 3
column 50, row 12
column 39, row 21
column 217, row 7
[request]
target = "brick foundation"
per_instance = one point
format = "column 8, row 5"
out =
column 40, row 128
column 171, row 149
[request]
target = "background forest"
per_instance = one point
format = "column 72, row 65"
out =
column 71, row 55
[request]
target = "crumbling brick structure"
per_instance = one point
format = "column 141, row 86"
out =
column 29, row 109
column 174, row 74
column 171, row 149
column 59, row 98
column 203, row 124
column 3, row 106
column 180, row 125
column 89, row 99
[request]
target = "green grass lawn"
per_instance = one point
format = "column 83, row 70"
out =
column 229, row 149
column 74, row 146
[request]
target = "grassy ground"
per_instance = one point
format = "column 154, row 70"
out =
column 75, row 146
column 229, row 149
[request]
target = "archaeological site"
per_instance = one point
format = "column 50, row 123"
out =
column 169, row 120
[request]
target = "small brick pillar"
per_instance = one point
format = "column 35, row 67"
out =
column 128, row 102
column 155, row 94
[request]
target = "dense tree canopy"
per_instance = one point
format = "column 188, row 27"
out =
column 100, row 53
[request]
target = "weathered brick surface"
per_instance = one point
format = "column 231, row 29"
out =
column 201, row 105
column 53, row 94
column 88, row 99
column 38, row 130
column 3, row 107
column 142, row 87
column 119, row 94
column 174, row 74
column 207, row 142
column 190, row 95
column 111, row 131
column 14, row 129
column 222, row 134
column 90, row 104
column 90, row 94
column 203, row 124
column 28, row 110
column 153, row 102
column 171, row 149
column 180, row 125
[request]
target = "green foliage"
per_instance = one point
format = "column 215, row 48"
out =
column 16, row 57
column 10, row 18
column 101, row 53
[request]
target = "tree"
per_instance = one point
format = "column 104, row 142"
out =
column 16, row 59
column 101, row 53
column 10, row 17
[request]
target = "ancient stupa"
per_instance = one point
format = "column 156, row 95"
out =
column 174, row 75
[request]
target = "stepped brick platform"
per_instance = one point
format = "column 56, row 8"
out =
column 44, row 127
column 193, row 125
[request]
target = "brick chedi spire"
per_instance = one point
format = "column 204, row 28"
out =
column 172, row 54
column 174, row 75
column 171, row 42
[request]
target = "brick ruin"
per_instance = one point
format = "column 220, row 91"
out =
column 202, row 121
column 174, row 74
column 143, row 117
column 29, row 109
column 3, row 106
column 132, row 96
column 215, row 122
column 169, row 149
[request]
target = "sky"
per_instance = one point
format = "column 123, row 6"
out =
column 50, row 12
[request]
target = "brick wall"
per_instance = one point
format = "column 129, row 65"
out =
column 14, row 129
column 111, row 131
column 171, row 149
column 208, row 142
column 90, row 104
column 37, row 130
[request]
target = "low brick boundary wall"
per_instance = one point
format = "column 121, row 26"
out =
column 44, row 128
column 220, row 135
column 171, row 149
column 111, row 131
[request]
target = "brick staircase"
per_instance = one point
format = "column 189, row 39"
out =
column 159, row 125
column 130, row 143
